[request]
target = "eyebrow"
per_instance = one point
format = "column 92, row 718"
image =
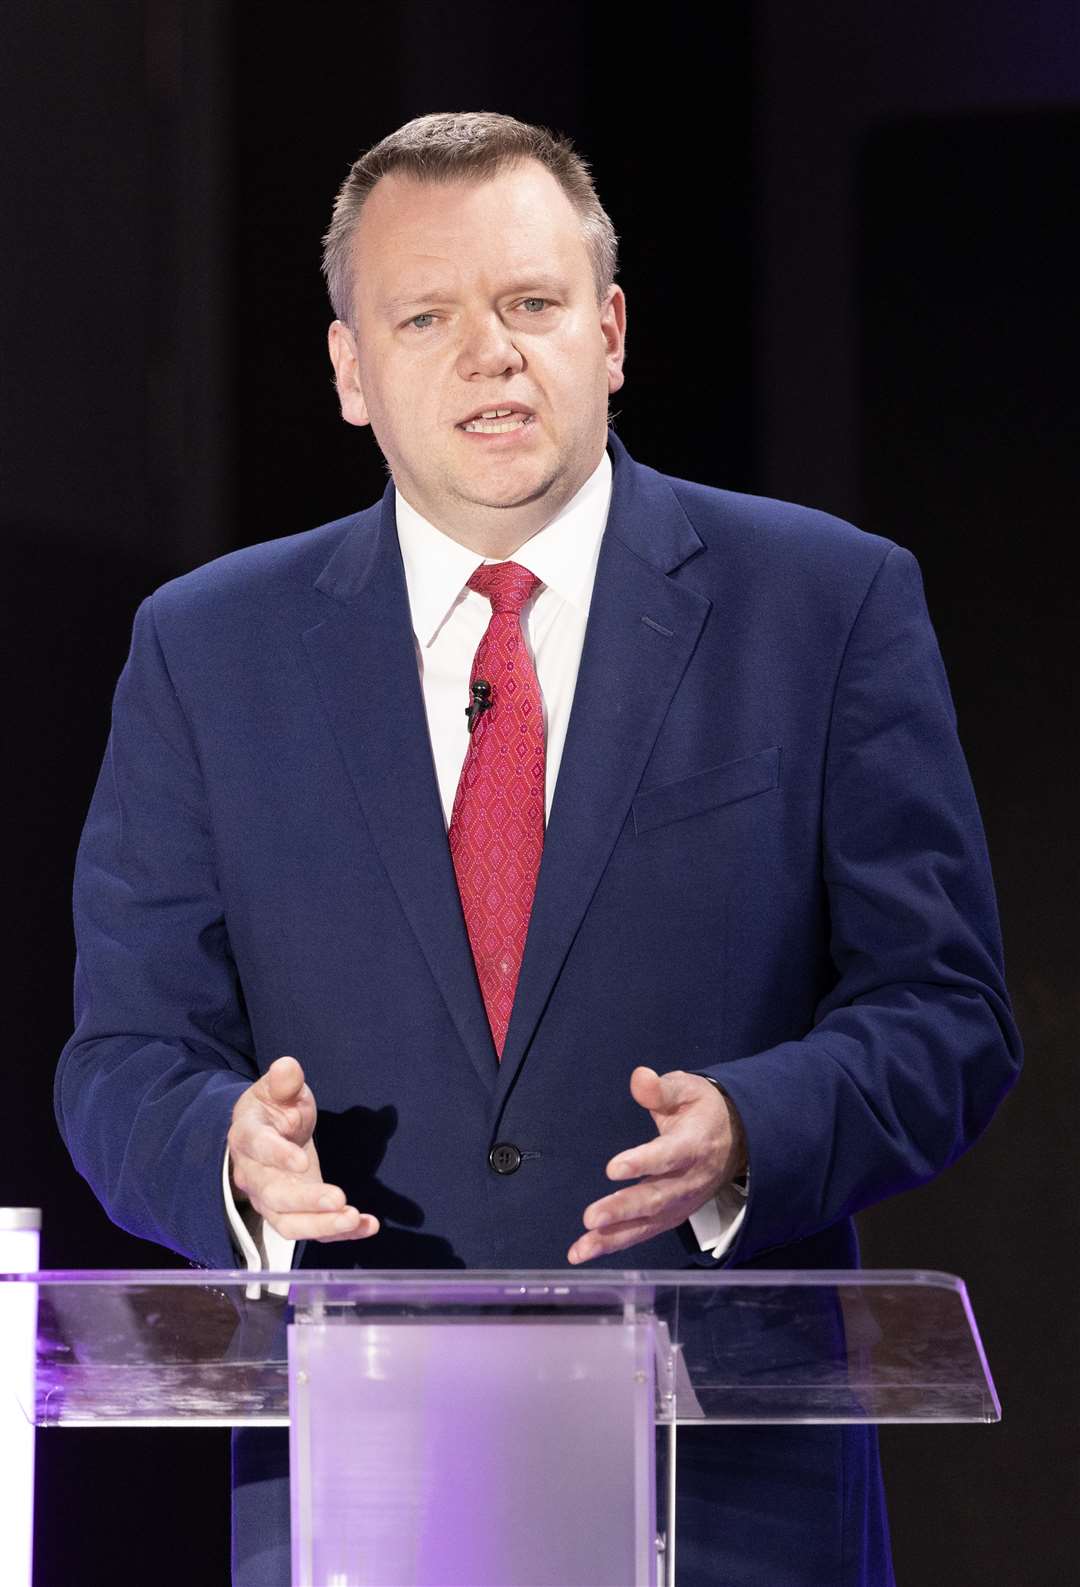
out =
column 394, row 305
column 541, row 284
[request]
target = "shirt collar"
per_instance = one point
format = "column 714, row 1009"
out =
column 563, row 555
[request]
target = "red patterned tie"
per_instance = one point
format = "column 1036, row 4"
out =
column 497, row 824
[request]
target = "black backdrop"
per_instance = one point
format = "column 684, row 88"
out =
column 850, row 255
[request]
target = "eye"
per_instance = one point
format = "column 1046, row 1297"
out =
column 534, row 305
column 416, row 319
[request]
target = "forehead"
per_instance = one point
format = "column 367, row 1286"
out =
column 516, row 219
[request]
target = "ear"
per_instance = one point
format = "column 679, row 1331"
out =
column 613, row 326
column 346, row 364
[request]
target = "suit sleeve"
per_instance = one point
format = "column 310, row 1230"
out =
column 914, row 1045
column 162, row 1047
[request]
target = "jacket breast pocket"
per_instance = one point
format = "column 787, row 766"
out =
column 705, row 790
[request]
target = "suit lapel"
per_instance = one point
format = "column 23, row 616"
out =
column 364, row 658
column 642, row 630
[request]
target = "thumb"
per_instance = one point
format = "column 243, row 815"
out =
column 646, row 1088
column 661, row 1093
column 284, row 1081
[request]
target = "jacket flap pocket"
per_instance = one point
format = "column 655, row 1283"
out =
column 721, row 785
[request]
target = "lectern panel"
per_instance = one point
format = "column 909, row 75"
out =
column 506, row 1452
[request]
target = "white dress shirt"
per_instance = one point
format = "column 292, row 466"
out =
column 449, row 621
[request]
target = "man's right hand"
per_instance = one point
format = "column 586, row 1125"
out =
column 273, row 1163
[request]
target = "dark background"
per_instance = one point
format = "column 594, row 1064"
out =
column 850, row 251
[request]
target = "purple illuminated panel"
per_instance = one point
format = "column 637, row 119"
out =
column 508, row 1452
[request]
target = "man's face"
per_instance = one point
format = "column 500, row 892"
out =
column 470, row 298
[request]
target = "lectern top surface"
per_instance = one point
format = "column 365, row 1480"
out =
column 172, row 1347
column 566, row 1278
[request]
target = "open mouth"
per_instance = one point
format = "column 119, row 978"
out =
column 497, row 421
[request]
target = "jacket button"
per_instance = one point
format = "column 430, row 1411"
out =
column 504, row 1158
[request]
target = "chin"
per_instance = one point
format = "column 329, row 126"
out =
column 523, row 496
column 513, row 492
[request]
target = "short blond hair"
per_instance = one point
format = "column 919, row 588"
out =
column 464, row 146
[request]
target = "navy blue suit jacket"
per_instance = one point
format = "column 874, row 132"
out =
column 764, row 862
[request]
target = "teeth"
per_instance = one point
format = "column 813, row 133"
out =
column 494, row 424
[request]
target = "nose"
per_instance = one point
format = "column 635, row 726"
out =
column 487, row 349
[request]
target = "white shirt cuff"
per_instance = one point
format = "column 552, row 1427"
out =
column 258, row 1242
column 716, row 1224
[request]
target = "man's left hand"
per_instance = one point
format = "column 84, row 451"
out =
column 700, row 1146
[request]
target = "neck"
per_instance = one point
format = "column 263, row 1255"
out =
column 496, row 533
column 497, row 541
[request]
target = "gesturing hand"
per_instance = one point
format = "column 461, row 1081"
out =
column 699, row 1148
column 274, row 1164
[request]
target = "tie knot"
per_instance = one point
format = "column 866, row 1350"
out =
column 507, row 585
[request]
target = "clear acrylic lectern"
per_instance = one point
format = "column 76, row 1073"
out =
column 488, row 1429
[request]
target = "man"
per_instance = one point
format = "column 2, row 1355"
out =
column 740, row 887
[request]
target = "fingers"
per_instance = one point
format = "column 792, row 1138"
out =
column 273, row 1193
column 307, row 1210
column 616, row 1239
column 638, row 1213
column 302, row 1209
column 659, row 1201
column 348, row 1224
column 263, row 1145
column 629, row 1216
column 257, row 1137
column 667, row 1154
column 650, row 1199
